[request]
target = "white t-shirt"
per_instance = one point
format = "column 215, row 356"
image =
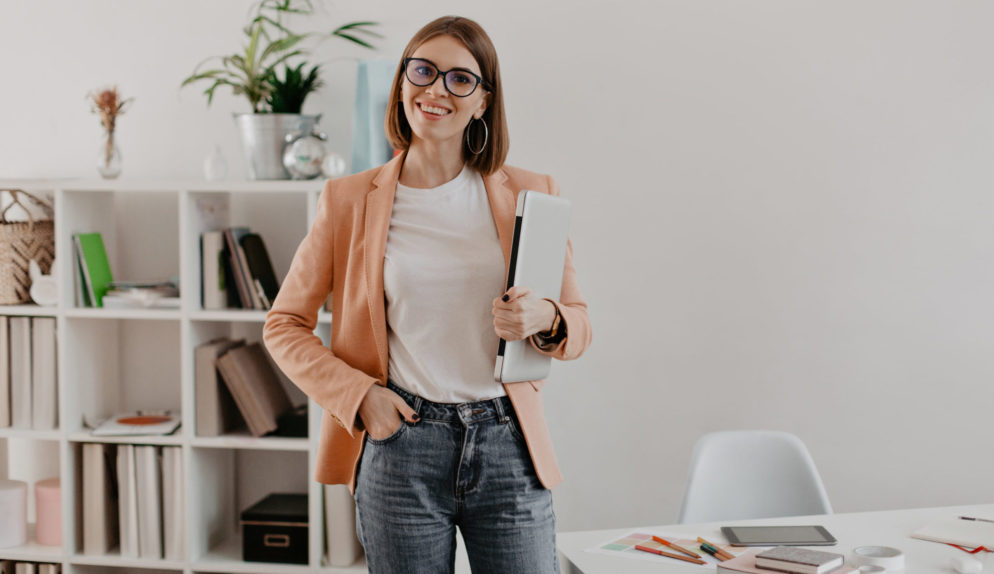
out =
column 442, row 269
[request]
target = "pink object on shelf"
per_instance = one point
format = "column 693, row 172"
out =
column 14, row 509
column 48, row 507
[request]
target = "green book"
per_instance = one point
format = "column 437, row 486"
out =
column 94, row 265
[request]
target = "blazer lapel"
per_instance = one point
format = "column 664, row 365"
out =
column 379, row 208
column 502, row 207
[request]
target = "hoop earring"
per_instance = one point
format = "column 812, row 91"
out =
column 486, row 136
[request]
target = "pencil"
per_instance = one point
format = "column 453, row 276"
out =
column 708, row 549
column 668, row 554
column 676, row 547
column 720, row 552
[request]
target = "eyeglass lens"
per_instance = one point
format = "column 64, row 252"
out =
column 458, row 82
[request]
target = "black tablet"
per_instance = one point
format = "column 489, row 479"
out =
column 778, row 536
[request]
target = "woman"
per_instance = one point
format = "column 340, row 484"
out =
column 414, row 254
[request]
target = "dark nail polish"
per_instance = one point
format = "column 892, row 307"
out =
column 505, row 298
column 415, row 417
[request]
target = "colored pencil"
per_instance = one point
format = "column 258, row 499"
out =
column 676, row 547
column 711, row 550
column 668, row 554
column 721, row 552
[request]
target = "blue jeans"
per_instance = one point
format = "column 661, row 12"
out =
column 463, row 465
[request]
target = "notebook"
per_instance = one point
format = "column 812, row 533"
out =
column 538, row 255
column 967, row 533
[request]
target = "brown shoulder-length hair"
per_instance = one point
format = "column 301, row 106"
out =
column 471, row 35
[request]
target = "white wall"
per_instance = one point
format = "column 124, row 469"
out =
column 782, row 212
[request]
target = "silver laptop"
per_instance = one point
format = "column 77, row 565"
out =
column 538, row 255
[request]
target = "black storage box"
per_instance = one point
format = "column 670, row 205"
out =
column 275, row 530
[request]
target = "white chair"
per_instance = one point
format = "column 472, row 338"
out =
column 741, row 475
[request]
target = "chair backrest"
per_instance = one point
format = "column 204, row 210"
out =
column 740, row 475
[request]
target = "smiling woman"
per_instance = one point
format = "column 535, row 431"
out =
column 414, row 420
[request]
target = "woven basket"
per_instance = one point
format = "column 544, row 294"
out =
column 20, row 242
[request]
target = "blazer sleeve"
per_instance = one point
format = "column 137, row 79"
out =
column 289, row 330
column 572, row 308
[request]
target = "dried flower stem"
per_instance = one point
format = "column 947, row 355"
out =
column 108, row 104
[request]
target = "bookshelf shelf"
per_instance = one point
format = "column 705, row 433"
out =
column 237, row 316
column 116, row 560
column 111, row 361
column 32, row 552
column 248, row 442
column 167, row 440
column 134, row 314
column 175, row 185
column 229, row 316
column 357, row 568
column 28, row 310
column 227, row 557
column 30, row 434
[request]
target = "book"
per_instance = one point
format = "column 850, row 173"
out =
column 84, row 289
column 254, row 384
column 149, row 483
column 138, row 423
column 967, row 533
column 95, row 266
column 4, row 373
column 172, row 502
column 213, row 287
column 746, row 563
column 239, row 267
column 142, row 295
column 43, row 374
column 261, row 268
column 99, row 506
column 217, row 412
column 798, row 560
column 49, row 568
column 127, row 500
column 24, row 568
column 20, row 372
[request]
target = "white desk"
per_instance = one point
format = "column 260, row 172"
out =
column 888, row 528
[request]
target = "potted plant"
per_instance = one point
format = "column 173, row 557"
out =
column 287, row 94
column 275, row 103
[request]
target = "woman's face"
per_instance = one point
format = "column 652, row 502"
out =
column 434, row 114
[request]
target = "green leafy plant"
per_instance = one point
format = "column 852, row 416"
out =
column 271, row 43
column 287, row 95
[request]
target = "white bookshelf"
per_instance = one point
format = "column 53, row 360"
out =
column 114, row 360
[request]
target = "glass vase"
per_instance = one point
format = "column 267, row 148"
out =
column 109, row 157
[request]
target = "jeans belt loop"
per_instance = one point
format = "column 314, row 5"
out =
column 501, row 415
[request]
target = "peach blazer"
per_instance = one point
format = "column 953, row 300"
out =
column 342, row 254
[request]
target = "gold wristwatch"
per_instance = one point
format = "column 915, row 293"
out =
column 555, row 324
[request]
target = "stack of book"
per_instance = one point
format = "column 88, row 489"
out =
column 12, row 567
column 235, row 270
column 95, row 285
column 786, row 559
column 231, row 378
column 145, row 518
column 142, row 294
column 28, row 375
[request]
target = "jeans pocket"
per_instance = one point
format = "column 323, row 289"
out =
column 514, row 426
column 396, row 435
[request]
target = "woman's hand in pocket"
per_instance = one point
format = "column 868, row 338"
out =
column 381, row 412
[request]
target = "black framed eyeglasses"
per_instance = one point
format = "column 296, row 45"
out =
column 460, row 82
